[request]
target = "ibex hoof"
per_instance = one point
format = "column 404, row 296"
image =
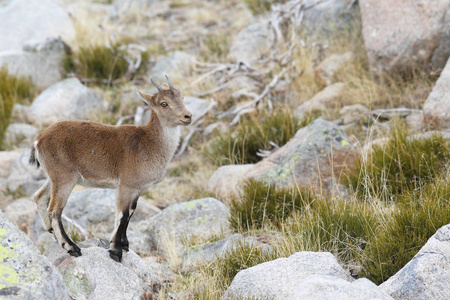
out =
column 125, row 248
column 75, row 251
column 116, row 254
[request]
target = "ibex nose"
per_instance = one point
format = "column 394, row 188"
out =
column 187, row 118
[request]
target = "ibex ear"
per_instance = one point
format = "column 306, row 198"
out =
column 146, row 98
column 165, row 86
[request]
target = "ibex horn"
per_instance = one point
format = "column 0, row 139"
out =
column 157, row 86
column 170, row 82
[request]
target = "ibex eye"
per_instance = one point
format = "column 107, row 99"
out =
column 164, row 104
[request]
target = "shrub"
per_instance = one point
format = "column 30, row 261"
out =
column 12, row 89
column 401, row 164
column 261, row 203
column 98, row 62
column 239, row 145
column 341, row 227
column 419, row 215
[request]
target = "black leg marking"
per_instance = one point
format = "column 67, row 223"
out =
column 115, row 249
column 72, row 248
column 123, row 238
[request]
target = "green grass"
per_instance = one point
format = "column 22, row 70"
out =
column 13, row 89
column 261, row 204
column 240, row 144
column 98, row 62
column 418, row 216
column 260, row 6
column 399, row 165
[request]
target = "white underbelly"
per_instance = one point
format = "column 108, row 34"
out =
column 106, row 184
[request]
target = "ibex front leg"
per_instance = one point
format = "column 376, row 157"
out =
column 126, row 203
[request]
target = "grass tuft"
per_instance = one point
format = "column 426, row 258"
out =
column 401, row 164
column 239, row 145
column 419, row 215
column 13, row 89
column 261, row 204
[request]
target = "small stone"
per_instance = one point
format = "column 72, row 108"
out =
column 354, row 114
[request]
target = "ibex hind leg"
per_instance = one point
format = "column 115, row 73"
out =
column 42, row 199
column 60, row 194
column 119, row 241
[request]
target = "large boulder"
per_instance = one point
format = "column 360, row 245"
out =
column 317, row 151
column 205, row 253
column 427, row 275
column 402, row 34
column 436, row 108
column 7, row 160
column 278, row 279
column 33, row 21
column 203, row 218
column 94, row 275
column 42, row 61
column 224, row 183
column 326, row 287
column 65, row 100
column 24, row 272
column 250, row 43
column 21, row 213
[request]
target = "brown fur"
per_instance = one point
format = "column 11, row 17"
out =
column 130, row 158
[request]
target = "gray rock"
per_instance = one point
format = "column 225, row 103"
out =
column 316, row 152
column 204, row 218
column 277, row 279
column 42, row 61
column 399, row 34
column 224, row 183
column 414, row 122
column 326, row 287
column 427, row 275
column 24, row 272
column 19, row 135
column 7, row 161
column 250, row 43
column 33, row 21
column 21, row 113
column 21, row 213
column 176, row 65
column 66, row 100
column 329, row 97
column 436, row 108
column 327, row 69
column 94, row 275
column 354, row 114
column 95, row 209
column 200, row 254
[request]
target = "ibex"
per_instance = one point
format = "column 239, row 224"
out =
column 130, row 158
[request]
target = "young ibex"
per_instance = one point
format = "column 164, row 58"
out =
column 130, row 158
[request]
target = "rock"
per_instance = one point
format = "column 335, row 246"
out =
column 328, row 68
column 200, row 254
column 21, row 113
column 389, row 113
column 326, row 287
column 336, row 190
column 393, row 44
column 21, row 213
column 7, row 160
column 329, row 97
column 95, row 209
column 316, row 152
column 278, row 279
column 176, row 65
column 42, row 61
column 414, row 122
column 323, row 18
column 24, row 179
column 354, row 114
column 436, row 108
column 33, row 21
column 250, row 43
column 96, row 12
column 20, row 135
column 242, row 82
column 224, row 183
column 203, row 218
column 94, row 275
column 24, row 272
column 41, row 238
column 66, row 100
column 427, row 275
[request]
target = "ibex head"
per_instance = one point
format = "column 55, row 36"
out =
column 168, row 104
